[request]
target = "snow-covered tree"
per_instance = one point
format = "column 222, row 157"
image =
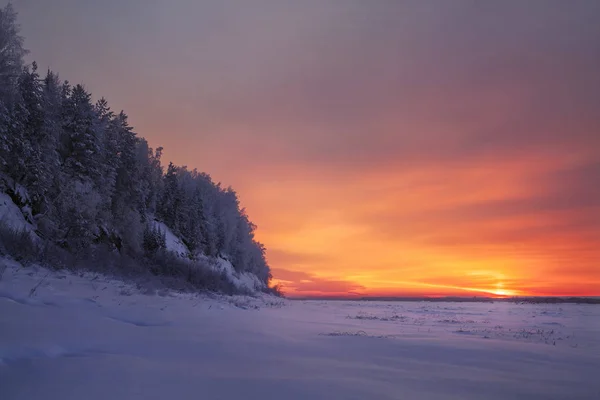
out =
column 12, row 110
column 81, row 151
column 11, row 54
column 171, row 201
column 154, row 239
column 109, row 151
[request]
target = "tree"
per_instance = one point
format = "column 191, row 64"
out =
column 51, row 180
column 126, row 193
column 196, row 224
column 171, row 202
column 11, row 54
column 82, row 150
column 154, row 239
column 109, row 151
column 40, row 160
column 11, row 65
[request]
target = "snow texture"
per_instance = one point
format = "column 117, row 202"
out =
column 65, row 336
column 242, row 280
column 173, row 243
column 11, row 216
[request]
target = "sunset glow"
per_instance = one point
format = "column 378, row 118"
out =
column 398, row 149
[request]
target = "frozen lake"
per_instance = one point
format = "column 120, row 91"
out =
column 85, row 337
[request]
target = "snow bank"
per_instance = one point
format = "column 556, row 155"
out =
column 244, row 280
column 11, row 215
column 173, row 243
column 86, row 337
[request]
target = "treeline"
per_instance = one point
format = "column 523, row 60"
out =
column 91, row 181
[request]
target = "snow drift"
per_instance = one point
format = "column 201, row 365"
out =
column 11, row 215
column 66, row 336
column 172, row 242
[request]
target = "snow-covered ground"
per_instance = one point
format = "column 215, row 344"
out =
column 65, row 336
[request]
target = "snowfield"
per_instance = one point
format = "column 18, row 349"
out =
column 68, row 336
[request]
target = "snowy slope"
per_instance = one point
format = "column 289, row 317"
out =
column 11, row 215
column 173, row 243
column 69, row 337
column 242, row 280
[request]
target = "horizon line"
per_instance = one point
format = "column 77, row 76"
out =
column 439, row 298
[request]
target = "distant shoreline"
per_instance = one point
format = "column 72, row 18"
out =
column 518, row 300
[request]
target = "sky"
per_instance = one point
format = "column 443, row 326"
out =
column 382, row 147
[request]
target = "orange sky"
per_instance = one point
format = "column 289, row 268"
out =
column 433, row 232
column 385, row 148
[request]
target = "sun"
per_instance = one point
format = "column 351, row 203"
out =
column 501, row 291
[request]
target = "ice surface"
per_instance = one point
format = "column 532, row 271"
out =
column 65, row 336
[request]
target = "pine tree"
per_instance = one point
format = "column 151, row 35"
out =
column 154, row 239
column 40, row 161
column 13, row 113
column 11, row 55
column 82, row 158
column 109, row 150
column 196, row 224
column 150, row 177
column 127, row 190
column 45, row 204
column 171, row 201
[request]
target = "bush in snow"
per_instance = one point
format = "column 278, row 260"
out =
column 154, row 240
column 18, row 244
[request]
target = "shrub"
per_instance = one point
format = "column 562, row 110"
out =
column 276, row 290
column 168, row 269
column 18, row 244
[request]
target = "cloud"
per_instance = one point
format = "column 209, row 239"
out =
column 288, row 258
column 562, row 201
column 297, row 283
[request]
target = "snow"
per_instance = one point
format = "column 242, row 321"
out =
column 11, row 215
column 68, row 336
column 243, row 280
column 173, row 243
